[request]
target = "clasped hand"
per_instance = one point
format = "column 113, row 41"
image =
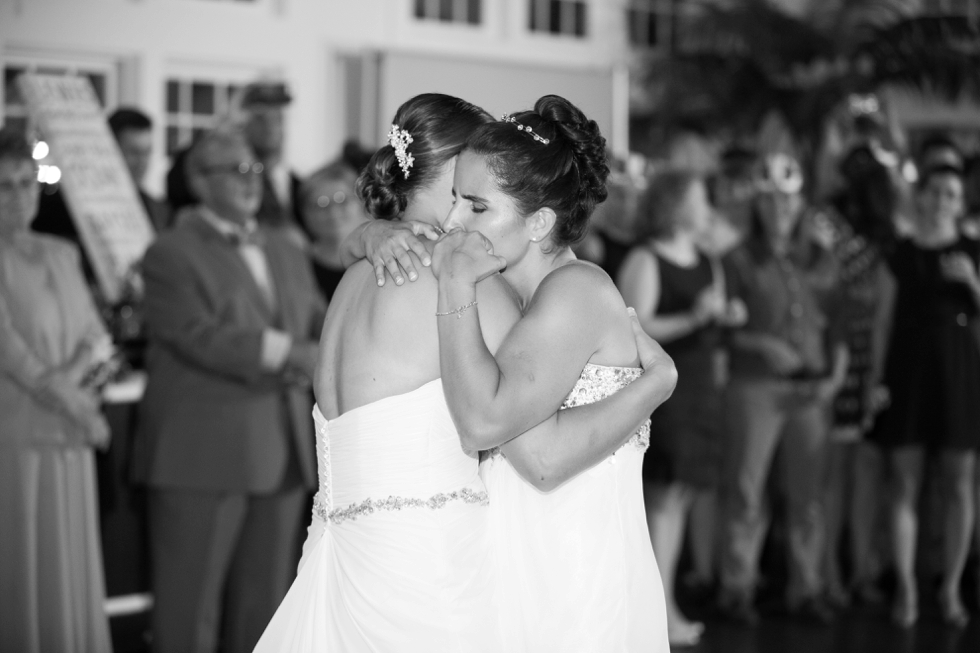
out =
column 465, row 256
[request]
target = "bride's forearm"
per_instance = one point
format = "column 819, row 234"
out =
column 576, row 439
column 470, row 373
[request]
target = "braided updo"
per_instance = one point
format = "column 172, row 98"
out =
column 559, row 163
column 439, row 126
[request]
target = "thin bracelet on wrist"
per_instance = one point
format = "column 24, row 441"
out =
column 458, row 311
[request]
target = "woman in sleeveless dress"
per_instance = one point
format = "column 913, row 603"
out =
column 932, row 372
column 398, row 555
column 576, row 570
column 679, row 296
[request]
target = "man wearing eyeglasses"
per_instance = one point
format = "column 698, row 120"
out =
column 225, row 441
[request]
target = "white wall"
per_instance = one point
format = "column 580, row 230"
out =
column 298, row 40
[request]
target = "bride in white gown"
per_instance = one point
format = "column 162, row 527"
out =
column 576, row 570
column 398, row 556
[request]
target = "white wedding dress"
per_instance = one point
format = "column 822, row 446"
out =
column 398, row 556
column 575, row 567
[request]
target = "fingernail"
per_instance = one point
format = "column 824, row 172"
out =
column 631, row 311
column 399, row 281
column 381, row 282
column 426, row 262
column 413, row 276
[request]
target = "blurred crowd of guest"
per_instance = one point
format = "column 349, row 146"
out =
column 827, row 343
column 224, row 325
column 828, row 349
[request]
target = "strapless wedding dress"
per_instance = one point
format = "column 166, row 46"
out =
column 575, row 567
column 398, row 555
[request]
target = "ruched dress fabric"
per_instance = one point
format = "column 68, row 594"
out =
column 397, row 557
column 575, row 568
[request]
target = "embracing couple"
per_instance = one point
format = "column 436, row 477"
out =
column 415, row 544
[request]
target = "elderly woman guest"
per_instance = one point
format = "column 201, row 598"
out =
column 50, row 553
column 330, row 211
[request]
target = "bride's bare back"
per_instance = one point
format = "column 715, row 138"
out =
column 383, row 341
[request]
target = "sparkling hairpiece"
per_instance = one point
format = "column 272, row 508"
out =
column 400, row 139
column 524, row 128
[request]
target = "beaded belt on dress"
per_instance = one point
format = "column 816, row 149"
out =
column 323, row 505
column 392, row 503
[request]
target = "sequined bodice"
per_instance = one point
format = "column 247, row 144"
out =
column 600, row 381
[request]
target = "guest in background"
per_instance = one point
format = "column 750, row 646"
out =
column 51, row 343
column 783, row 379
column 933, row 376
column 225, row 441
column 611, row 232
column 680, row 301
column 263, row 104
column 133, row 131
column 861, row 217
column 330, row 211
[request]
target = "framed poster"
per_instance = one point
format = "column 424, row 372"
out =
column 97, row 187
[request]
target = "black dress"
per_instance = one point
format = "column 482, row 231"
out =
column 685, row 445
column 933, row 364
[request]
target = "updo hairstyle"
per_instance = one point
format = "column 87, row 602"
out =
column 439, row 126
column 660, row 210
column 566, row 174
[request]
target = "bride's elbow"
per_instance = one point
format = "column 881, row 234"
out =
column 479, row 436
column 537, row 470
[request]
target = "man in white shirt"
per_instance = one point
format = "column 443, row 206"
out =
column 225, row 441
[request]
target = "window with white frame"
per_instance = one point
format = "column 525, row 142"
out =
column 450, row 11
column 563, row 17
column 648, row 22
column 193, row 106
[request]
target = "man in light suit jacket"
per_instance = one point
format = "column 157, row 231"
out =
column 225, row 441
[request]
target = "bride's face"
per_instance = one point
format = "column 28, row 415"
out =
column 434, row 201
column 478, row 205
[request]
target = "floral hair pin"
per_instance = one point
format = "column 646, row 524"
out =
column 525, row 128
column 399, row 139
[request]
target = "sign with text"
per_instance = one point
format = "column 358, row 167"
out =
column 96, row 184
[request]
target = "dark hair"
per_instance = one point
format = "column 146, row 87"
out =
column 658, row 214
column 14, row 145
column 439, row 126
column 869, row 197
column 338, row 170
column 552, row 156
column 935, row 171
column 355, row 155
column 939, row 141
column 125, row 118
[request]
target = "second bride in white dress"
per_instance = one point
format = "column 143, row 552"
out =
column 575, row 566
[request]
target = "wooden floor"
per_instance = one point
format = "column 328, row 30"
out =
column 859, row 630
column 862, row 630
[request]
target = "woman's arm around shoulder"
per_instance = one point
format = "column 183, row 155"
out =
column 567, row 322
column 576, row 439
